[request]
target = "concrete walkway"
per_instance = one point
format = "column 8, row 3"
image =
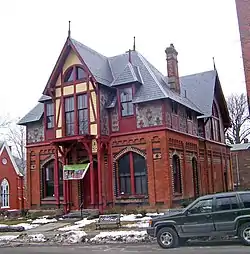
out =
column 47, row 227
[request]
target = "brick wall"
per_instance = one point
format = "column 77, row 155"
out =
column 243, row 12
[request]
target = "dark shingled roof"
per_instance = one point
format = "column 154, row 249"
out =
column 34, row 115
column 197, row 90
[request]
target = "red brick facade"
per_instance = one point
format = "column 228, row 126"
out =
column 154, row 153
column 11, row 181
column 243, row 12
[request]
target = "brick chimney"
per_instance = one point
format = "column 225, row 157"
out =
column 172, row 66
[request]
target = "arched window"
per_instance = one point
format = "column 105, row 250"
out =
column 131, row 177
column 195, row 178
column 5, row 194
column 69, row 75
column 75, row 73
column 177, row 175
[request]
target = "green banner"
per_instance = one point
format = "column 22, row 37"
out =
column 75, row 171
column 76, row 166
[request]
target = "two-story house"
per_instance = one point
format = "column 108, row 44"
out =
column 113, row 131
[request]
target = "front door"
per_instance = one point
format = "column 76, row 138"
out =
column 199, row 219
column 227, row 209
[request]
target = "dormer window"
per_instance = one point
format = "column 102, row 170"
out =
column 75, row 73
column 127, row 108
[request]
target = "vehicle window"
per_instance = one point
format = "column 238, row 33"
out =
column 245, row 199
column 226, row 203
column 203, row 206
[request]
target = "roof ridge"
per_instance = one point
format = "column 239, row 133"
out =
column 152, row 74
column 198, row 73
column 131, row 67
column 87, row 47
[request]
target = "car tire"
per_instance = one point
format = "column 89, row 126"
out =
column 244, row 233
column 167, row 238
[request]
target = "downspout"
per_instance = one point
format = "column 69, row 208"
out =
column 237, row 170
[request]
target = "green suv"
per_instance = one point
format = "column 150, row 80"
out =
column 212, row 215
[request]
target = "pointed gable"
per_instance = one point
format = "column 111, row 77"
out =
column 5, row 147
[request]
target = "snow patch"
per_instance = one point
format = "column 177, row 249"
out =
column 137, row 225
column 78, row 225
column 37, row 238
column 27, row 226
column 8, row 237
column 121, row 236
column 71, row 237
column 43, row 220
column 154, row 214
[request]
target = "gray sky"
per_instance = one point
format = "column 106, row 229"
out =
column 33, row 34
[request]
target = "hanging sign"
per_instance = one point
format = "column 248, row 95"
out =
column 75, row 171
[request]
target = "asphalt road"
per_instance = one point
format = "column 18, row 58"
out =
column 130, row 249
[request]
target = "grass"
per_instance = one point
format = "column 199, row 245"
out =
column 12, row 222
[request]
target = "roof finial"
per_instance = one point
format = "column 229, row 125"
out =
column 214, row 64
column 69, row 31
column 134, row 44
column 129, row 55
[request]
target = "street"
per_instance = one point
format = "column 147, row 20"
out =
column 113, row 249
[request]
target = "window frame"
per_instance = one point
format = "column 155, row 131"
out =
column 174, row 107
column 50, row 114
column 231, row 207
column 75, row 79
column 132, row 176
column 71, row 113
column 199, row 213
column 5, row 198
column 84, row 108
column 126, row 102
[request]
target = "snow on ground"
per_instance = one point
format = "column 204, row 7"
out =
column 43, row 220
column 71, row 237
column 137, row 225
column 120, row 236
column 37, row 238
column 78, row 225
column 154, row 214
column 8, row 237
column 134, row 217
column 27, row 226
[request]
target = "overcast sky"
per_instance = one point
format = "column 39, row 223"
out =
column 32, row 34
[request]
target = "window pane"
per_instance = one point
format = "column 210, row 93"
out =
column 139, row 163
column 124, row 164
column 69, row 76
column 69, row 104
column 226, row 203
column 203, row 206
column 126, row 94
column 83, row 121
column 80, row 73
column 245, row 199
column 177, row 174
column 127, row 109
column 82, row 101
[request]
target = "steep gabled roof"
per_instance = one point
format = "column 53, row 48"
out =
column 3, row 145
column 197, row 90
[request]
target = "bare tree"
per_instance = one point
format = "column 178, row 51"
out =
column 15, row 136
column 238, row 111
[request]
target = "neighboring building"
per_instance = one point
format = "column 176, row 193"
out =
column 11, row 180
column 243, row 12
column 130, row 135
column 240, row 155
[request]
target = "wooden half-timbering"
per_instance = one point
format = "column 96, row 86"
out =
column 75, row 88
